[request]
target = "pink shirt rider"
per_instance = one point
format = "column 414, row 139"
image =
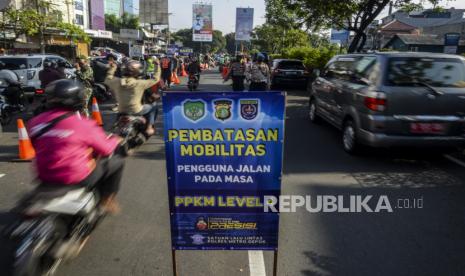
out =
column 65, row 154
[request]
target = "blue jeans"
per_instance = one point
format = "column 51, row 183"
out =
column 150, row 111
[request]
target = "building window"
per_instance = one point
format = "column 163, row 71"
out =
column 79, row 19
column 414, row 49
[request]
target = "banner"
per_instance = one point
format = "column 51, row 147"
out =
column 172, row 49
column 223, row 155
column 202, row 23
column 341, row 36
column 185, row 51
column 244, row 24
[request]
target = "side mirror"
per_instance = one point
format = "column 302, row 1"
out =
column 316, row 73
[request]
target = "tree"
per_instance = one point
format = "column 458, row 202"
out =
column 230, row 43
column 74, row 32
column 185, row 36
column 272, row 38
column 126, row 21
column 353, row 15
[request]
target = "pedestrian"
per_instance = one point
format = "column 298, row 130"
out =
column 166, row 70
column 174, row 64
column 150, row 67
column 259, row 75
column 237, row 74
column 85, row 74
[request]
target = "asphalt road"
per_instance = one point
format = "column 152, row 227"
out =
column 421, row 241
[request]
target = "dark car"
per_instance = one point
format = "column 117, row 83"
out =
column 392, row 99
column 289, row 71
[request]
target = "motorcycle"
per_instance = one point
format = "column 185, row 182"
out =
column 101, row 92
column 52, row 226
column 7, row 110
column 132, row 130
column 193, row 82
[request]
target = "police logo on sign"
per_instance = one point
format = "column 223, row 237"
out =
column 249, row 109
column 223, row 109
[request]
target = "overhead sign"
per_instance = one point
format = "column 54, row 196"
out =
column 130, row 33
column 342, row 36
column 244, row 24
column 223, row 155
column 202, row 23
column 172, row 49
column 185, row 51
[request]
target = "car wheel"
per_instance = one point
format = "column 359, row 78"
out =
column 312, row 115
column 349, row 138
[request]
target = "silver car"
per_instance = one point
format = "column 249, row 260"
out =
column 28, row 67
column 392, row 99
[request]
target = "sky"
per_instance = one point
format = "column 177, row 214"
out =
column 224, row 13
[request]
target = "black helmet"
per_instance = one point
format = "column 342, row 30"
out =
column 48, row 63
column 132, row 68
column 65, row 93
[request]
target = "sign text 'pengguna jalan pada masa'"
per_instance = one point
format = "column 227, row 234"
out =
column 224, row 155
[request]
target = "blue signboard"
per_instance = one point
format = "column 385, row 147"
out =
column 340, row 35
column 451, row 39
column 172, row 49
column 185, row 51
column 223, row 155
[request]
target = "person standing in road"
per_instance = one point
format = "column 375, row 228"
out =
column 150, row 67
column 166, row 70
column 174, row 64
column 85, row 74
column 237, row 74
column 259, row 75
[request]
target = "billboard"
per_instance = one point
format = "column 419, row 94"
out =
column 97, row 11
column 340, row 35
column 244, row 24
column 154, row 12
column 202, row 23
column 223, row 155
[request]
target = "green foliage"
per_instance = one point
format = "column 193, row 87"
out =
column 353, row 15
column 275, row 39
column 74, row 32
column 313, row 58
column 218, row 44
column 126, row 21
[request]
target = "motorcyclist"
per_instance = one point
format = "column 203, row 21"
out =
column 237, row 73
column 194, row 68
column 129, row 91
column 74, row 151
column 50, row 73
column 12, row 92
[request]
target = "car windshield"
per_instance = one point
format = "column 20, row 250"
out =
column 20, row 63
column 289, row 65
column 437, row 72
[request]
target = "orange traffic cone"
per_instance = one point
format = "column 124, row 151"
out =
column 175, row 78
column 26, row 151
column 183, row 71
column 96, row 112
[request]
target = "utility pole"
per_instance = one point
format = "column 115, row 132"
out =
column 41, row 29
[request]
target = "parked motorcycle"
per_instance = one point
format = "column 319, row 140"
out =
column 53, row 225
column 193, row 82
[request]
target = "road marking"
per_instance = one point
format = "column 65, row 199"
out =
column 2, row 175
column 455, row 160
column 256, row 263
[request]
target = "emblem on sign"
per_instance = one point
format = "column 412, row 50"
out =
column 223, row 109
column 201, row 224
column 194, row 110
column 249, row 109
column 197, row 239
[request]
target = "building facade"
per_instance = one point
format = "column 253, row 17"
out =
column 113, row 7
column 154, row 12
column 96, row 15
column 131, row 7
